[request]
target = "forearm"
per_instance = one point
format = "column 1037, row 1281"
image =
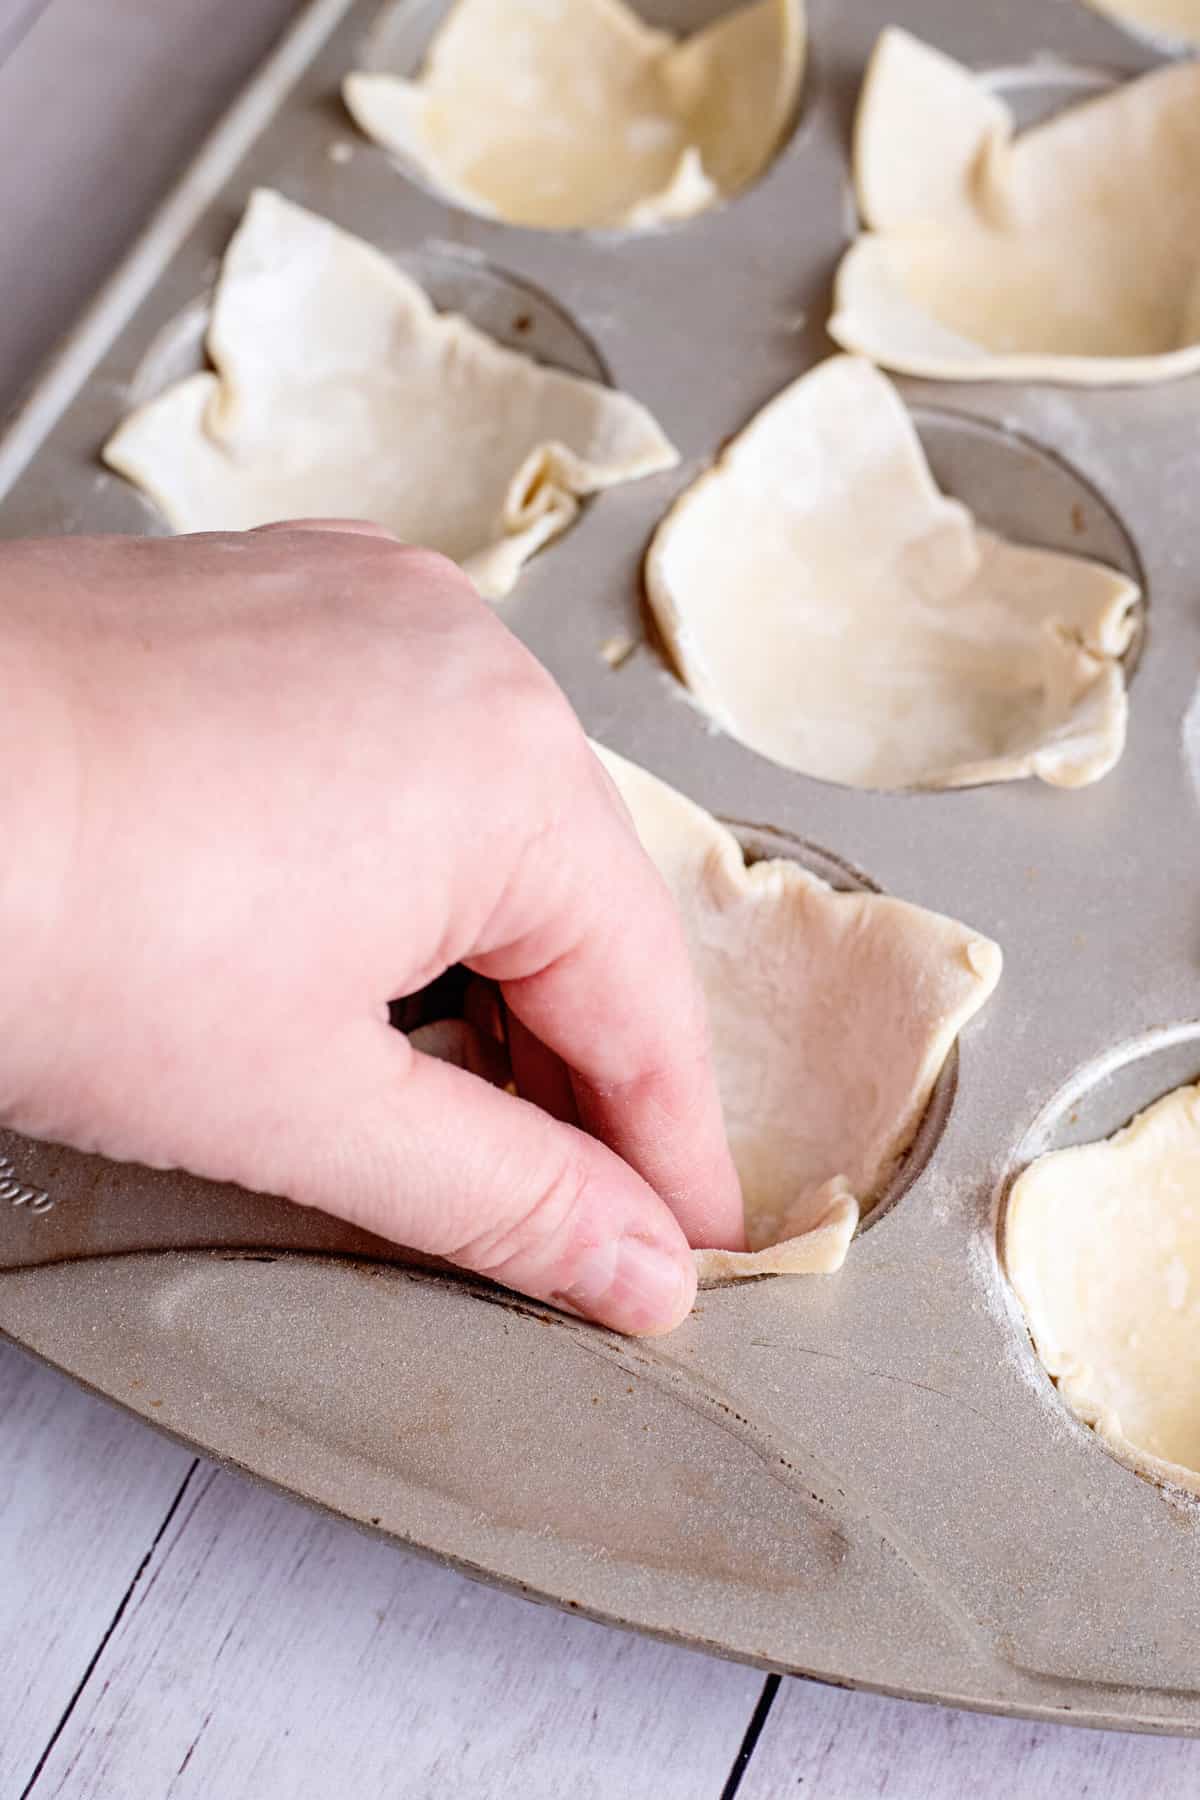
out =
column 38, row 808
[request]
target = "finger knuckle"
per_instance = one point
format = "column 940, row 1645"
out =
column 540, row 728
column 401, row 569
column 539, row 1232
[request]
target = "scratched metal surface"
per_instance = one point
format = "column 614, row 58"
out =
column 866, row 1478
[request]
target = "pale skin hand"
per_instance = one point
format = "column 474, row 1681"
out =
column 263, row 784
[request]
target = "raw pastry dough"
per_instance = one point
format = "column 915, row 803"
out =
column 340, row 392
column 1072, row 254
column 831, row 1013
column 569, row 113
column 1177, row 19
column 1102, row 1244
column 830, row 608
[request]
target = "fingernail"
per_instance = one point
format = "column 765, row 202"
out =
column 631, row 1285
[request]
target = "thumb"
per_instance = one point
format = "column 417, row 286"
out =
column 434, row 1158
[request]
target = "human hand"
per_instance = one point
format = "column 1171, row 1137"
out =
column 260, row 785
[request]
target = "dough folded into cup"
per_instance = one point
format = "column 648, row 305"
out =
column 834, row 611
column 566, row 114
column 1102, row 1245
column 832, row 1015
column 1175, row 20
column 338, row 392
column 1070, row 253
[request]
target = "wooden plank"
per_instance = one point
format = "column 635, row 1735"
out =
column 837, row 1745
column 273, row 1652
column 83, row 1491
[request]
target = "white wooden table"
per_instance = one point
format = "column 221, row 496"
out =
column 167, row 1629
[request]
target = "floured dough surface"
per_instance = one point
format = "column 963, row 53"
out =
column 832, row 1015
column 1071, row 253
column 834, row 611
column 338, row 391
column 1102, row 1244
column 1175, row 19
column 574, row 113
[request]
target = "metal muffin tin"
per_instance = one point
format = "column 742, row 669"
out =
column 865, row 1477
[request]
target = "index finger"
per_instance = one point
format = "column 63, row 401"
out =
column 604, row 979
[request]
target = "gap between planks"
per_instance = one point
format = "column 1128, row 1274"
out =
column 118, row 1614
